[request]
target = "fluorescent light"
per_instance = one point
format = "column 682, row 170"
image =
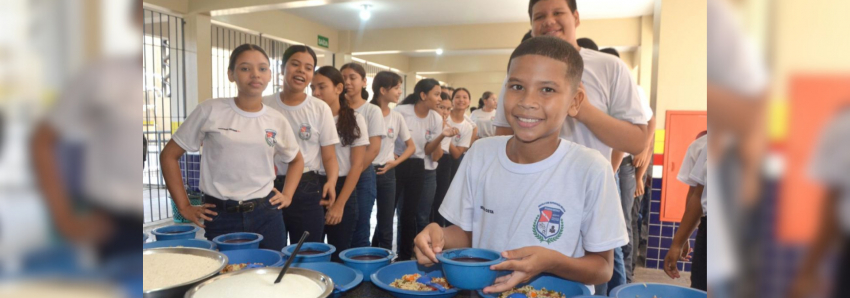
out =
column 439, row 51
column 364, row 12
column 375, row 53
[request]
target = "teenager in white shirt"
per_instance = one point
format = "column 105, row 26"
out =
column 242, row 138
column 444, row 168
column 355, row 92
column 341, row 216
column 313, row 125
column 550, row 205
column 426, row 130
column 485, row 114
column 465, row 127
column 386, row 88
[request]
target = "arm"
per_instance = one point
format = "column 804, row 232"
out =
column 690, row 222
column 399, row 159
column 828, row 233
column 617, row 159
column 293, row 176
column 168, row 160
column 530, row 261
column 332, row 170
column 437, row 154
column 434, row 144
column 334, row 215
column 434, row 239
column 456, row 151
column 372, row 150
column 620, row 135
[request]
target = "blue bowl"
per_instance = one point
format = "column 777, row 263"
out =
column 470, row 275
column 175, row 232
column 267, row 257
column 325, row 256
column 344, row 278
column 253, row 241
column 385, row 276
column 382, row 258
column 551, row 282
column 655, row 289
column 199, row 243
column 144, row 238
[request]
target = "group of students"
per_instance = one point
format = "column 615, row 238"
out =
column 542, row 157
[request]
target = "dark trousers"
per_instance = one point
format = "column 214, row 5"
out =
column 264, row 219
column 444, row 178
column 410, row 176
column 699, row 263
column 386, row 201
column 366, row 195
column 305, row 213
column 339, row 235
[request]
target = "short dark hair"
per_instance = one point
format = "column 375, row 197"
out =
column 526, row 36
column 587, row 43
column 445, row 96
column 611, row 51
column 241, row 49
column 555, row 48
column 299, row 49
column 570, row 3
column 423, row 86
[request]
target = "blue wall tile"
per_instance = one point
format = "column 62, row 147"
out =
column 665, row 242
column 654, row 230
column 653, row 264
column 652, row 253
column 654, row 241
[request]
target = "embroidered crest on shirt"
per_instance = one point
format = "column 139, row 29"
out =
column 270, row 134
column 457, row 138
column 548, row 226
column 390, row 133
column 305, row 131
column 429, row 135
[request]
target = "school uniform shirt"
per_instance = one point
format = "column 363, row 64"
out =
column 567, row 202
column 647, row 109
column 312, row 123
column 343, row 153
column 691, row 166
column 831, row 161
column 468, row 118
column 464, row 138
column 609, row 87
column 374, row 120
column 699, row 174
column 484, row 121
column 240, row 148
column 396, row 131
column 422, row 131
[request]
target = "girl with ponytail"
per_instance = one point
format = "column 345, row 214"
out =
column 354, row 79
column 341, row 216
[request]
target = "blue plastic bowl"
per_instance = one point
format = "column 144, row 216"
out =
column 384, row 256
column 470, row 275
column 325, row 256
column 199, row 243
column 144, row 238
column 175, row 232
column 551, row 282
column 655, row 289
column 344, row 278
column 385, row 276
column 253, row 241
column 267, row 257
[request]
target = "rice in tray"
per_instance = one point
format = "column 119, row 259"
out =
column 530, row 292
column 408, row 282
column 169, row 269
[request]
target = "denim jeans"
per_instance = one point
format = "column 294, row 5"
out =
column 627, row 184
column 444, row 178
column 265, row 220
column 423, row 213
column 410, row 175
column 366, row 193
column 339, row 235
column 305, row 213
column 386, row 202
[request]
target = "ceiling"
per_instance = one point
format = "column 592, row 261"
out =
column 422, row 13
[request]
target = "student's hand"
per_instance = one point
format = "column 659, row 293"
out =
column 450, row 131
column 674, row 255
column 639, row 187
column 526, row 263
column 329, row 195
column 196, row 213
column 334, row 214
column 389, row 166
column 280, row 200
column 428, row 244
column 95, row 228
column 640, row 159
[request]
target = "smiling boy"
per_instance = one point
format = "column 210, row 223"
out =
column 548, row 204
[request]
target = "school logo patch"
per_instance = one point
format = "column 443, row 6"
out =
column 548, row 226
column 305, row 131
column 270, row 134
column 429, row 135
column 457, row 138
column 390, row 133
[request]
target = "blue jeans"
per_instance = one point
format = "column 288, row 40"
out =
column 386, row 201
column 339, row 235
column 366, row 191
column 619, row 277
column 305, row 213
column 626, row 183
column 429, row 188
column 265, row 220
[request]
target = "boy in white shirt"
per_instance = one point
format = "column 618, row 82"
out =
column 548, row 204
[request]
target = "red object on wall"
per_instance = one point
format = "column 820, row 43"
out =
column 682, row 128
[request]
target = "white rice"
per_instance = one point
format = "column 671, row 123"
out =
column 168, row 269
column 253, row 285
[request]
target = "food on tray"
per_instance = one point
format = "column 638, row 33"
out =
column 240, row 266
column 408, row 282
column 531, row 292
column 169, row 269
